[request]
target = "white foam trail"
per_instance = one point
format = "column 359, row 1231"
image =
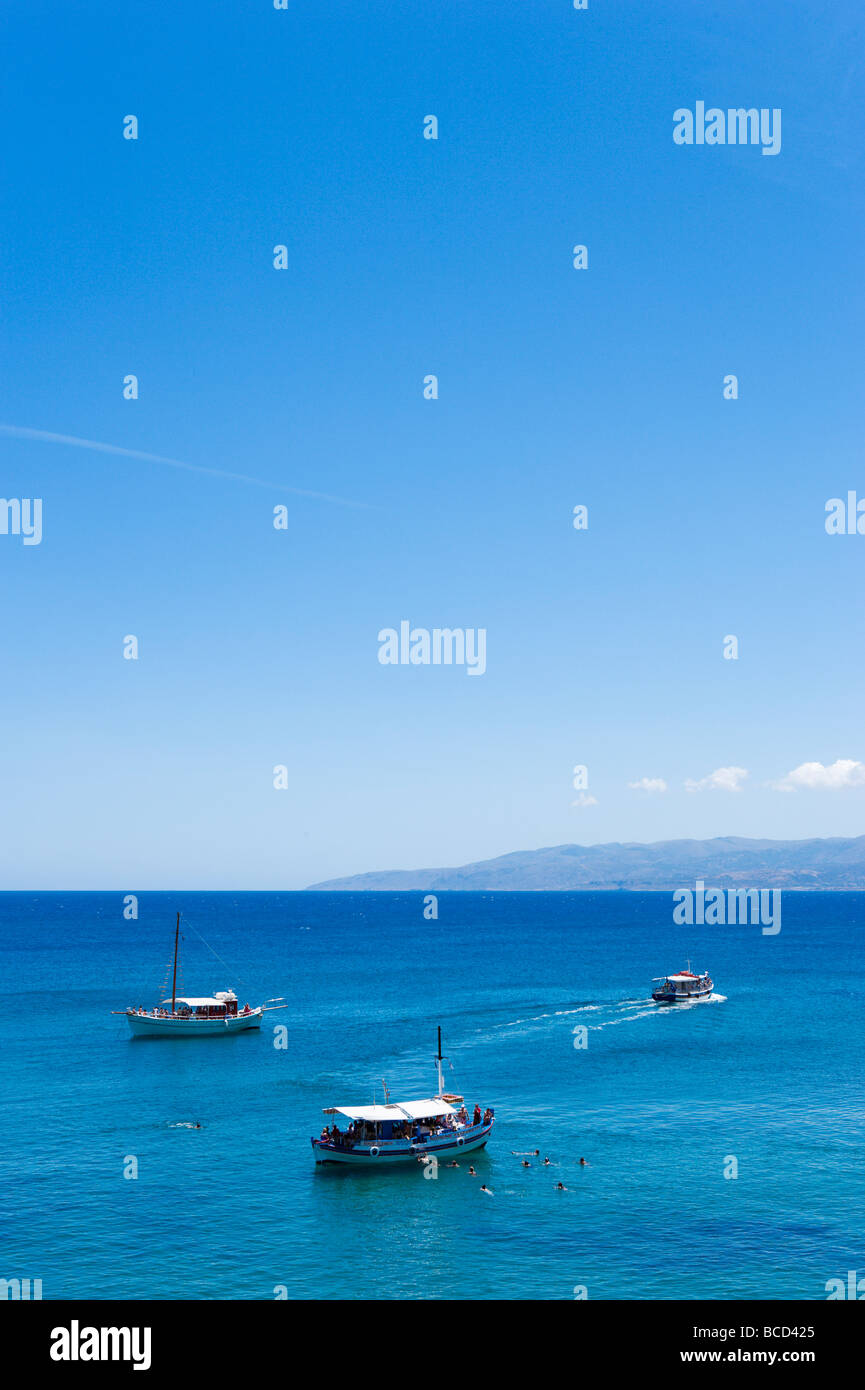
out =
column 630, row 1018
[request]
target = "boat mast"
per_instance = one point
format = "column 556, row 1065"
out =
column 174, row 976
column 439, row 1064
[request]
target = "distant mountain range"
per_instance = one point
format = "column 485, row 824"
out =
column 727, row 862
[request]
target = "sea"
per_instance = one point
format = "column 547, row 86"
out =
column 723, row 1139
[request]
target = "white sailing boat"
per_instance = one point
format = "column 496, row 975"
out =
column 195, row 1016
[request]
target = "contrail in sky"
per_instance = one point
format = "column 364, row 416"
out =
column 45, row 437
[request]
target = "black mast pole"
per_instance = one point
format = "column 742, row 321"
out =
column 174, row 977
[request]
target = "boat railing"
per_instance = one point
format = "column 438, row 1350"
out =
column 415, row 1141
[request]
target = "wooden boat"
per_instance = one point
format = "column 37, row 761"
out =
column 404, row 1131
column 679, row 989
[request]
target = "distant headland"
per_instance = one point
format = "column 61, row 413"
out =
column 730, row 861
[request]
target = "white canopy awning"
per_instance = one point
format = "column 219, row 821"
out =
column 373, row 1113
column 405, row 1110
column 196, row 1003
column 426, row 1109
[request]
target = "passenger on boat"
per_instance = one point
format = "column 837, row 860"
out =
column 477, row 1115
column 463, row 1115
column 488, row 1115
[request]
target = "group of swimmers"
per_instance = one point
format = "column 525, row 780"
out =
column 536, row 1153
column 473, row 1173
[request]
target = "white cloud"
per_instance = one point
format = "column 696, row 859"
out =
column 585, row 799
column 649, row 784
column 845, row 772
column 723, row 779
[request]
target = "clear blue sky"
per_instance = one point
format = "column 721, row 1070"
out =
column 407, row 257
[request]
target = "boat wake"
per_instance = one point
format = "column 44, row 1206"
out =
column 634, row 1011
column 615, row 1011
column 555, row 1013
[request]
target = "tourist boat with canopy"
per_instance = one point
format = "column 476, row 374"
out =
column 679, row 989
column 195, row 1016
column 404, row 1131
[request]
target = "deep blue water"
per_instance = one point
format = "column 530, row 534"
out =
column 769, row 1072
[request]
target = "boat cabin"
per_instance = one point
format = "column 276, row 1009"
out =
column 685, row 982
column 683, row 985
column 218, row 1006
column 408, row 1121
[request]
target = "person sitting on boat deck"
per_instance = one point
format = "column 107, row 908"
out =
column 477, row 1115
column 246, row 1008
column 463, row 1115
column 488, row 1115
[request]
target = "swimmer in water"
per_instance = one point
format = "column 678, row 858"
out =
column 472, row 1173
column 546, row 1163
column 560, row 1187
column 526, row 1163
column 486, row 1189
column 583, row 1163
column 452, row 1165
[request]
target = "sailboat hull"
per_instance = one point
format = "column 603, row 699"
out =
column 146, row 1026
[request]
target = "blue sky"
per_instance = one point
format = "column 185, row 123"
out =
column 407, row 257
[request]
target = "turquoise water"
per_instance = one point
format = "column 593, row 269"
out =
column 769, row 1071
